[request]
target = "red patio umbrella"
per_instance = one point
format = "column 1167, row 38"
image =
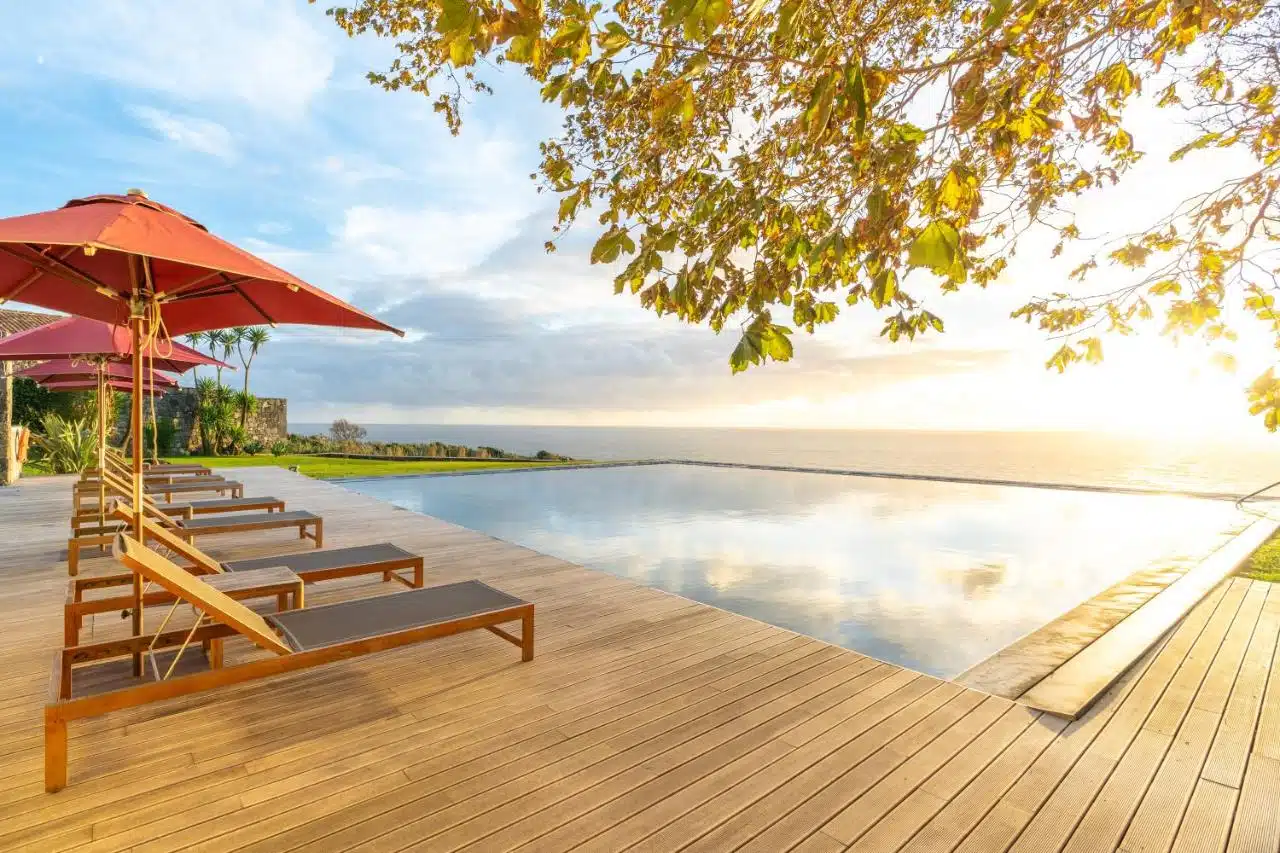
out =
column 128, row 259
column 155, row 386
column 73, row 370
column 93, row 343
column 82, row 339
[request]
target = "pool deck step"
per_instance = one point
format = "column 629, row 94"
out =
column 1070, row 689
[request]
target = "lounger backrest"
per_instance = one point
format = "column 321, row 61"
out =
column 124, row 511
column 178, row 545
column 215, row 604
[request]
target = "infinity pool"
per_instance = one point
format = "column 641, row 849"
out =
column 929, row 575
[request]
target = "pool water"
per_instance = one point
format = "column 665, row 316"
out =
column 929, row 575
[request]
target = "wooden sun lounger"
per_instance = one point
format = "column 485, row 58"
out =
column 298, row 639
column 382, row 558
column 152, row 475
column 309, row 525
column 167, row 490
column 190, row 509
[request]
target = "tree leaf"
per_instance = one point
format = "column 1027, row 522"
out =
column 935, row 248
column 999, row 8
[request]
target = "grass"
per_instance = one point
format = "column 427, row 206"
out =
column 1264, row 563
column 322, row 467
column 317, row 466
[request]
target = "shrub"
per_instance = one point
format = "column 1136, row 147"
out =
column 253, row 447
column 65, row 446
column 279, row 448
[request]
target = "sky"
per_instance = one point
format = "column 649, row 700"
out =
column 254, row 117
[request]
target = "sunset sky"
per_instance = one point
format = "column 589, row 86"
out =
column 255, row 118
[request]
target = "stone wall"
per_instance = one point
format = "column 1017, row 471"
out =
column 268, row 425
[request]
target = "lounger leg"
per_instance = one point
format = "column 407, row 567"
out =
column 73, row 557
column 282, row 602
column 418, row 579
column 319, row 532
column 299, row 597
column 526, row 636
column 55, row 751
column 70, row 630
column 215, row 654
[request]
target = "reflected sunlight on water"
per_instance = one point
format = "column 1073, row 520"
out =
column 933, row 576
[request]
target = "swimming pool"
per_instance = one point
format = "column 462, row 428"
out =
column 929, row 575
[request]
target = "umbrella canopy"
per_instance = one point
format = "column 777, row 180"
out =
column 82, row 339
column 82, row 259
column 71, row 370
column 156, row 388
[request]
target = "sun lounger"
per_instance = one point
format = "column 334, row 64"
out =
column 309, row 526
column 298, row 640
column 190, row 509
column 85, row 491
column 381, row 558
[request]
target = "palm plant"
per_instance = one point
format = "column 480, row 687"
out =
column 65, row 445
column 216, row 340
column 194, row 340
column 253, row 338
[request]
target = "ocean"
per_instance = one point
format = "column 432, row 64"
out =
column 1161, row 462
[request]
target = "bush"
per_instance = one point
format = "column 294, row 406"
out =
column 165, row 433
column 65, row 446
column 279, row 448
column 253, row 447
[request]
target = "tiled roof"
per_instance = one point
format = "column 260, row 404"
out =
column 20, row 321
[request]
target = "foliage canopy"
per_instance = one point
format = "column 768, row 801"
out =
column 755, row 159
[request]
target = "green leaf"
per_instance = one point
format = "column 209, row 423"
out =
column 454, row 14
column 936, row 248
column 746, row 353
column 999, row 8
column 569, row 205
column 610, row 246
column 858, row 91
column 614, row 38
column 1092, row 350
column 756, row 7
column 908, row 133
column 786, row 21
column 818, row 115
column 462, row 51
column 714, row 15
column 883, row 288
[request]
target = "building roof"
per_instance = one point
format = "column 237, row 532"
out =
column 12, row 322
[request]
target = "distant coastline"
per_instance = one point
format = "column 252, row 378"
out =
column 1159, row 462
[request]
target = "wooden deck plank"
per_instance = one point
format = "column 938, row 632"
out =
column 647, row 722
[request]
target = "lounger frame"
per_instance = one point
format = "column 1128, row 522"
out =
column 62, row 708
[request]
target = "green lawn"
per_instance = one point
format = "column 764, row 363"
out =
column 1264, row 563
column 317, row 466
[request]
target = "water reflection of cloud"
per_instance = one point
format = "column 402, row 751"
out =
column 931, row 575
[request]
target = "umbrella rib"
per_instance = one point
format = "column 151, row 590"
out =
column 207, row 290
column 256, row 307
column 31, row 279
column 60, row 269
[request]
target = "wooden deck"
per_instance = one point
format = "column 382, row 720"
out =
column 647, row 722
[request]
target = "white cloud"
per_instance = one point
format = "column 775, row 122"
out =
column 356, row 169
column 273, row 56
column 197, row 134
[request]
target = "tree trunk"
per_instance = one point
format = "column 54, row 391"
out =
column 244, row 401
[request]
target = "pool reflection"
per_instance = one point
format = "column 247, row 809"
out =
column 933, row 576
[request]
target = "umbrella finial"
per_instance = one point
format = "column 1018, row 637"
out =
column 134, row 191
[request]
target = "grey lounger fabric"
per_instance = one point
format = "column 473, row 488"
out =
column 248, row 519
column 329, row 558
column 226, row 503
column 327, row 625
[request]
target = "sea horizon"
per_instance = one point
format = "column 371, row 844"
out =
column 1232, row 465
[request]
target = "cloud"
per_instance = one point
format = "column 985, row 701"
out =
column 197, row 134
column 471, row 351
column 274, row 57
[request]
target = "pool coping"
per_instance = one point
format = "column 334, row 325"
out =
column 1063, row 666
column 842, row 472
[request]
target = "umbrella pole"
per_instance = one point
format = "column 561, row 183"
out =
column 136, row 322
column 102, row 445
